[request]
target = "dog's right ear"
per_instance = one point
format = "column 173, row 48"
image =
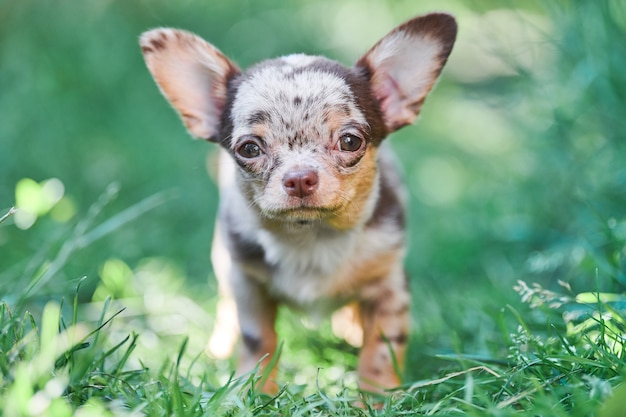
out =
column 192, row 74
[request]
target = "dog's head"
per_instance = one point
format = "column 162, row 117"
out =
column 304, row 130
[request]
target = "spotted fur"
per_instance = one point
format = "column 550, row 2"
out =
column 311, row 203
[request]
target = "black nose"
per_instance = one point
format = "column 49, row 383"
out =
column 301, row 183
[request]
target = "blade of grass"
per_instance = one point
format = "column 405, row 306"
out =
column 267, row 370
column 394, row 358
column 528, row 392
column 8, row 214
column 129, row 350
column 124, row 217
column 75, row 306
column 109, row 352
column 81, row 238
column 105, row 307
column 421, row 384
column 181, row 352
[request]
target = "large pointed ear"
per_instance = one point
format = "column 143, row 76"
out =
column 192, row 74
column 404, row 65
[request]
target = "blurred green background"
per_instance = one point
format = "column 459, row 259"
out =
column 516, row 168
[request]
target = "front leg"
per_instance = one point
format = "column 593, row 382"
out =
column 256, row 313
column 385, row 320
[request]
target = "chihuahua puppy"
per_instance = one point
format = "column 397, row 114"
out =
column 311, row 210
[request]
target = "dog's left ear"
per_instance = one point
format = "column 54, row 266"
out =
column 404, row 65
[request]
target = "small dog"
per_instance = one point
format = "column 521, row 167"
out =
column 311, row 208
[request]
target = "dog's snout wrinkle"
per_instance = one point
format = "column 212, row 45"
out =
column 301, row 183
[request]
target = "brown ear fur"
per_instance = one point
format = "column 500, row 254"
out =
column 404, row 65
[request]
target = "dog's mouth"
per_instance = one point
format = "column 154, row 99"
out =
column 301, row 215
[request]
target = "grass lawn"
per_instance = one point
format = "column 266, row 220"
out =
column 517, row 221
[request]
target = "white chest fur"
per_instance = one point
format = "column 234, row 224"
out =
column 307, row 264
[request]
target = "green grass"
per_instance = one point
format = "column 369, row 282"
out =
column 517, row 226
column 53, row 363
column 74, row 358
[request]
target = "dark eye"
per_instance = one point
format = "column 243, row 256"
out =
column 249, row 150
column 350, row 143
